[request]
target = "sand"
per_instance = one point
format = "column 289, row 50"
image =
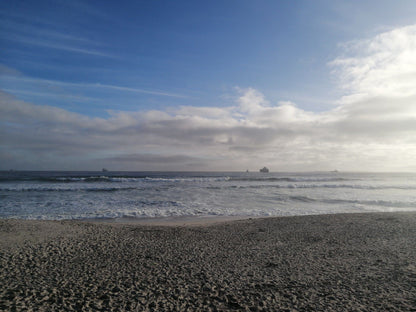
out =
column 348, row 262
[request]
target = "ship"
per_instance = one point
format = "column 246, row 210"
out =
column 264, row 170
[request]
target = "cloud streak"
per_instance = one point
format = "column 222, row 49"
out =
column 36, row 32
column 373, row 127
column 19, row 78
column 52, row 44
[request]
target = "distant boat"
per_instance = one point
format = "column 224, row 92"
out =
column 335, row 171
column 104, row 170
column 264, row 170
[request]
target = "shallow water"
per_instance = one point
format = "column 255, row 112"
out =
column 77, row 195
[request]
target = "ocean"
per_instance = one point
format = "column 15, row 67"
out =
column 57, row 195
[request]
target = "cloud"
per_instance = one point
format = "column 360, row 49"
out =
column 146, row 161
column 7, row 71
column 63, row 45
column 383, row 65
column 37, row 32
column 379, row 76
column 8, row 75
column 373, row 127
column 137, row 90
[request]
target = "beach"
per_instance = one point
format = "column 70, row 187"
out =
column 337, row 262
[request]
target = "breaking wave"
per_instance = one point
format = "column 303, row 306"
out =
column 324, row 186
column 72, row 195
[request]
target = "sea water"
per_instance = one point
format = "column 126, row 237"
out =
column 95, row 195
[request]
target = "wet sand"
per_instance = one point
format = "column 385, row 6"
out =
column 346, row 262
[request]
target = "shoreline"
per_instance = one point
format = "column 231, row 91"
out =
column 208, row 220
column 174, row 221
column 339, row 262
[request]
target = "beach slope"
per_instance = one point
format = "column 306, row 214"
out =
column 345, row 262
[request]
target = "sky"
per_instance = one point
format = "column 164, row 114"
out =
column 208, row 85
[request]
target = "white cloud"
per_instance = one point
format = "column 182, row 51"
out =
column 380, row 77
column 251, row 101
column 372, row 128
column 383, row 65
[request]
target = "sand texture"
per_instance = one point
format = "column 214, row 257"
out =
column 350, row 262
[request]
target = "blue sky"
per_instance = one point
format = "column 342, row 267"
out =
column 179, row 82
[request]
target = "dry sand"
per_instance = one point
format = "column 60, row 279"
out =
column 350, row 262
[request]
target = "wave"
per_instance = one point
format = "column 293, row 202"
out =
column 312, row 186
column 94, row 179
column 379, row 203
column 58, row 179
column 60, row 189
column 101, row 188
column 290, row 179
column 303, row 199
column 188, row 179
column 292, row 205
